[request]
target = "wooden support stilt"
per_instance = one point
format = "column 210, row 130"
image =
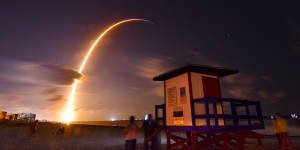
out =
column 211, row 139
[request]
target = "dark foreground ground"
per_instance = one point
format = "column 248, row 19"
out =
column 16, row 136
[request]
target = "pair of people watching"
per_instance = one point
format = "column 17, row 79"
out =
column 151, row 134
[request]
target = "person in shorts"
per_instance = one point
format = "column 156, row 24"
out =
column 130, row 133
column 281, row 131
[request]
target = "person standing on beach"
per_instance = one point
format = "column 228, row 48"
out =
column 280, row 129
column 34, row 127
column 130, row 133
column 151, row 134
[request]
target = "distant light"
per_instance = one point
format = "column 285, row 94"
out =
column 272, row 117
column 294, row 115
column 112, row 119
column 146, row 117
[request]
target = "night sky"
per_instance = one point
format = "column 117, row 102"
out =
column 43, row 43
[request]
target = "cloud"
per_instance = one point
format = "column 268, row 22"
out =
column 87, row 93
column 274, row 96
column 150, row 67
column 54, row 104
column 37, row 73
column 13, row 97
column 57, row 98
column 246, row 86
column 9, row 97
column 240, row 79
column 157, row 90
column 53, row 108
column 246, row 79
column 54, row 100
column 50, row 91
column 20, row 108
column 250, row 92
column 278, row 95
column 99, row 103
column 58, row 75
column 29, row 83
column 241, row 92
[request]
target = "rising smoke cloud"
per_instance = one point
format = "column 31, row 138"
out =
column 37, row 73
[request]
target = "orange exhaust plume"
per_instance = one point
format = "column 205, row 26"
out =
column 68, row 114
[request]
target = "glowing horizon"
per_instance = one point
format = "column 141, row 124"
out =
column 68, row 114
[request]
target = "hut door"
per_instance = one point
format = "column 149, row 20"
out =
column 211, row 87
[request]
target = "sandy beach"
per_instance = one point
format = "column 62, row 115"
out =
column 16, row 136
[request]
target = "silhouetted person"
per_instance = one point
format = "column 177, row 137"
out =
column 61, row 131
column 151, row 134
column 34, row 127
column 130, row 133
column 280, row 129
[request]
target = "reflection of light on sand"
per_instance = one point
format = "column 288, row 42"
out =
column 68, row 115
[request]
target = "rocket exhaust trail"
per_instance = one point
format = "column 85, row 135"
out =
column 68, row 114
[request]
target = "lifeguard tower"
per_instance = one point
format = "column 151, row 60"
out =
column 194, row 105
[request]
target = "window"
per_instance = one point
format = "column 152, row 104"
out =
column 211, row 108
column 200, row 122
column 182, row 92
column 178, row 114
column 199, row 108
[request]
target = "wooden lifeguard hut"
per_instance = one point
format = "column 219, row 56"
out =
column 193, row 104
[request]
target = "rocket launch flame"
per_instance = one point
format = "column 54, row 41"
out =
column 68, row 114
